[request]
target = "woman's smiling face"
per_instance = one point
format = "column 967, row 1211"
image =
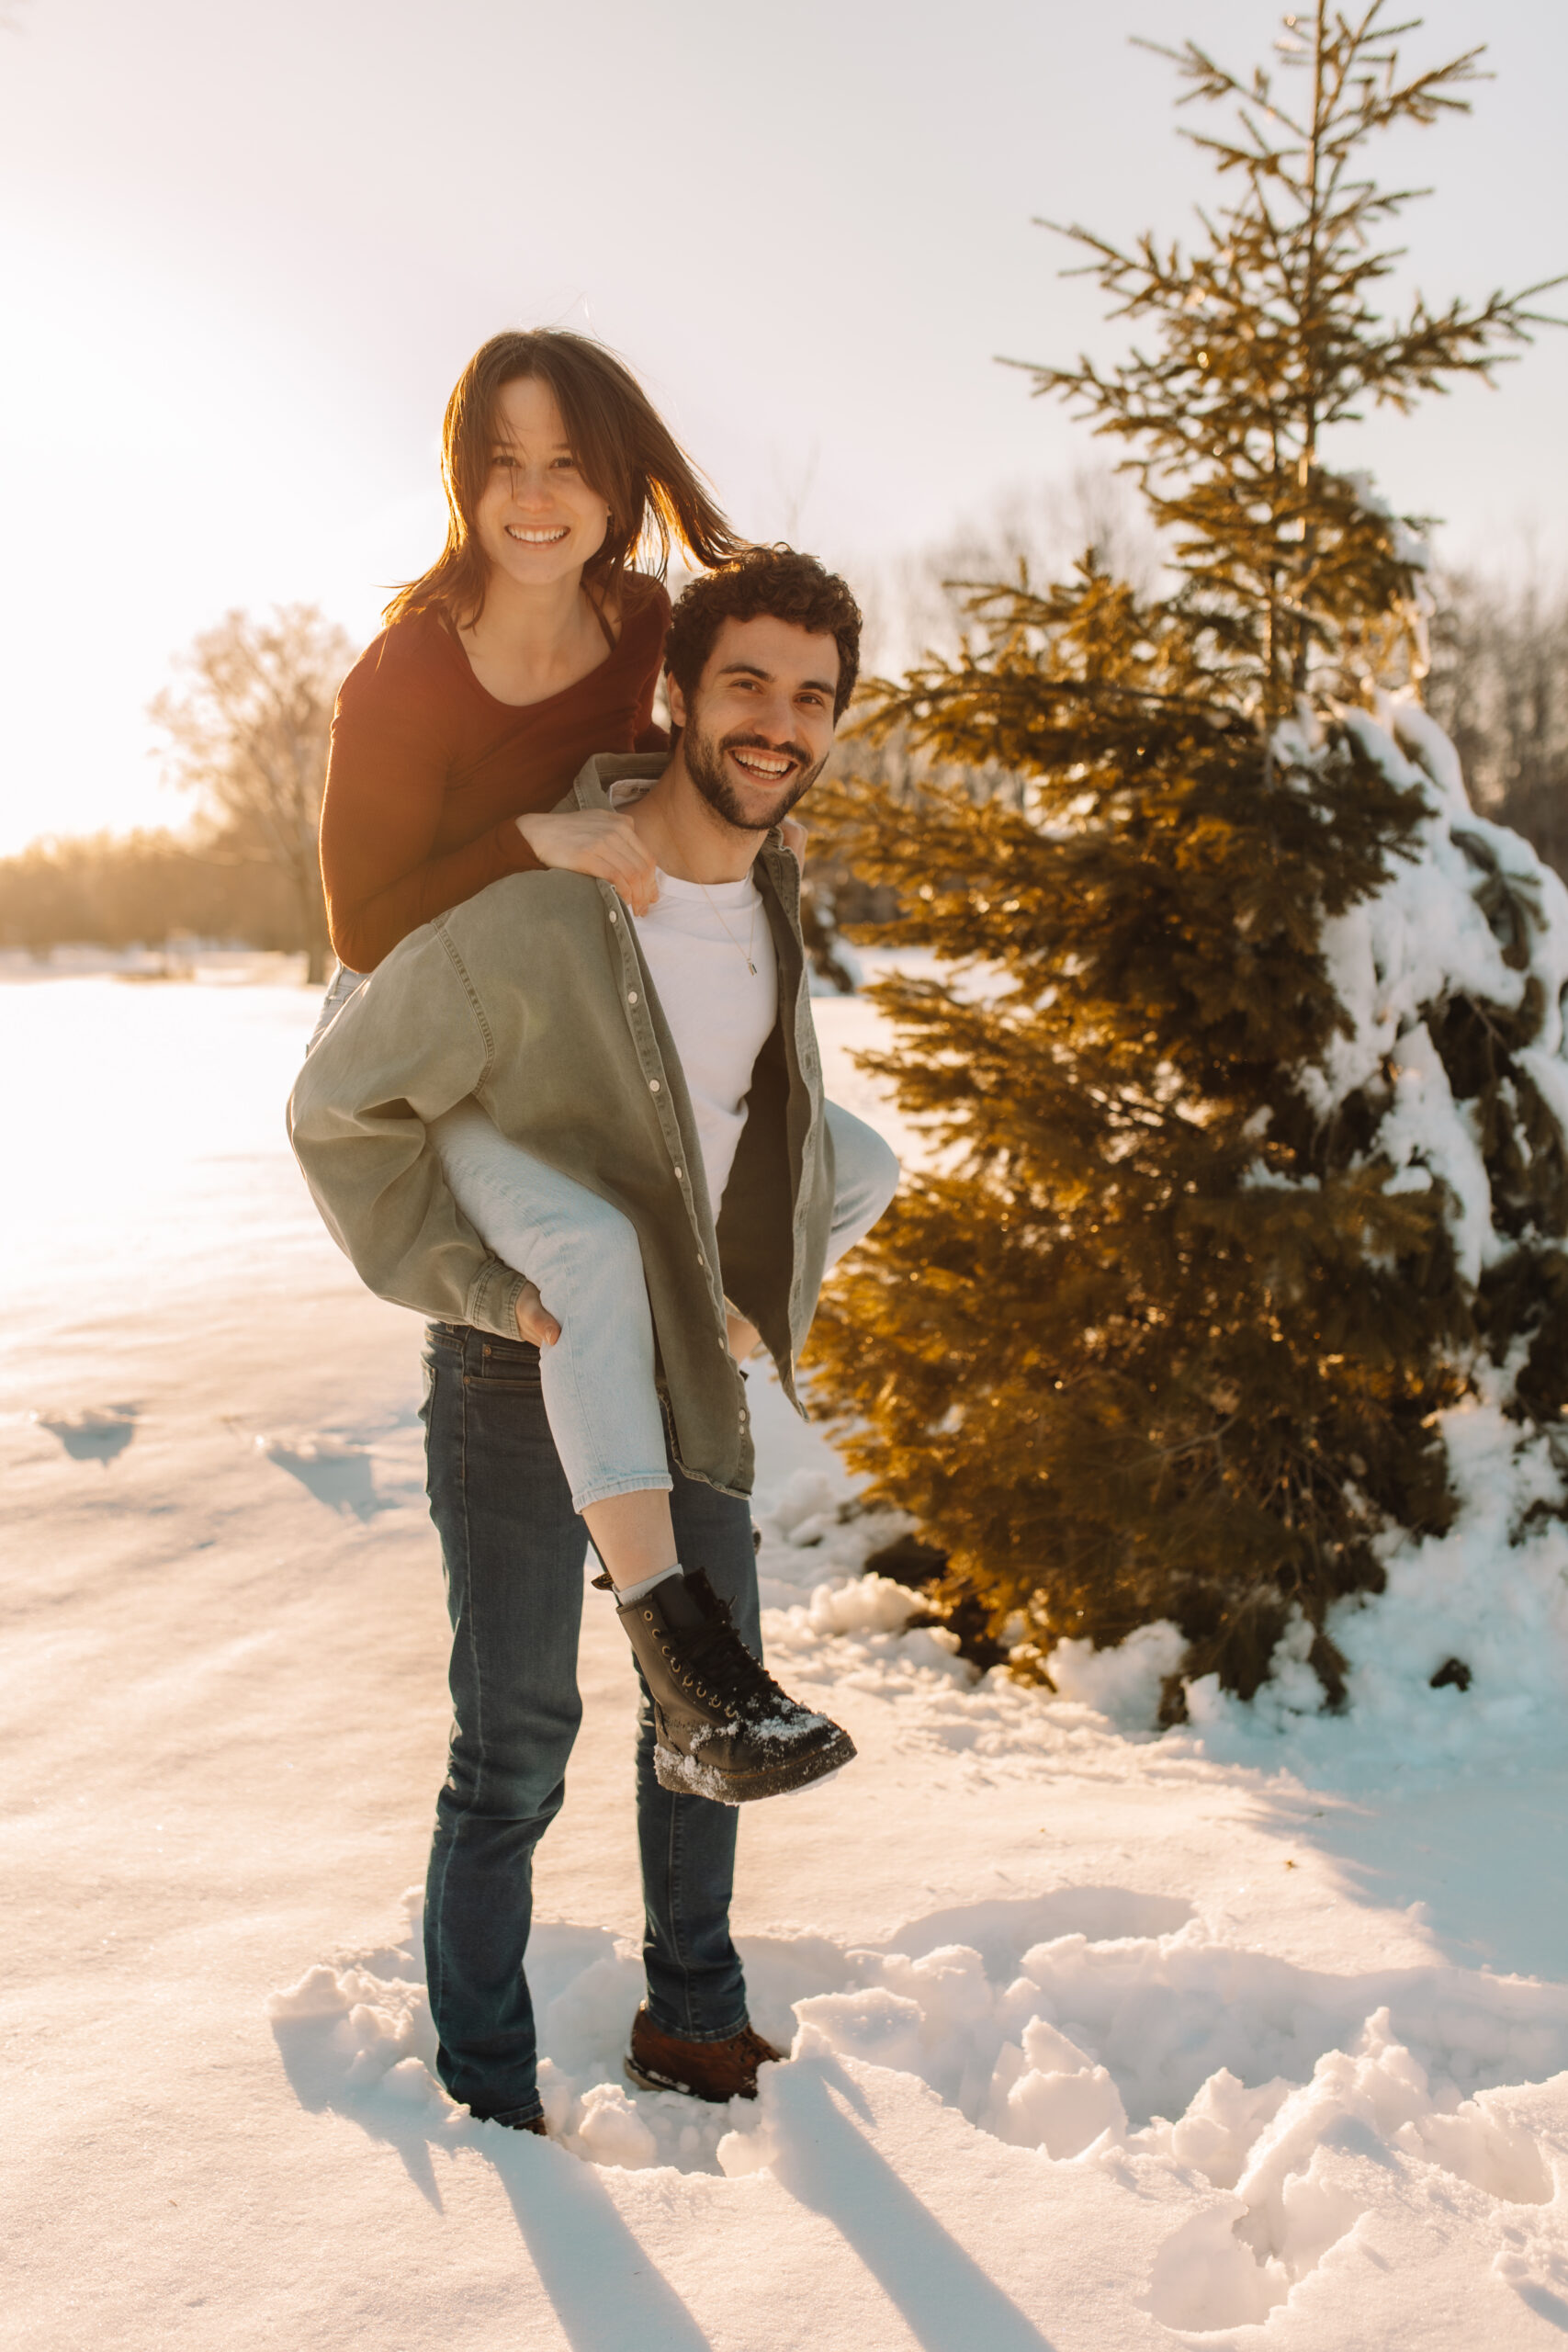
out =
column 537, row 521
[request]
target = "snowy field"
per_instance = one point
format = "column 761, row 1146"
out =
column 1253, row 2035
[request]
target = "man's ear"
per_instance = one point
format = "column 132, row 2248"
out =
column 677, row 700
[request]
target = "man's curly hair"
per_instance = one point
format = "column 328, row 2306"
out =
column 779, row 583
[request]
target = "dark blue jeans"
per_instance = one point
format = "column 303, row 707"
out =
column 514, row 1551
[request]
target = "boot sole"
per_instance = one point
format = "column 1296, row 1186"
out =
column 685, row 1779
column 633, row 2074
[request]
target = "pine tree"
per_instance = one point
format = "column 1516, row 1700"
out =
column 1166, row 1333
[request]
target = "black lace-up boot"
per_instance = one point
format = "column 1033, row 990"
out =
column 725, row 1728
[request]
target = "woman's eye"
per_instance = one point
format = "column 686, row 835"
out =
column 565, row 465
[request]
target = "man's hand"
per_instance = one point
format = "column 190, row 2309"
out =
column 534, row 1320
column 594, row 841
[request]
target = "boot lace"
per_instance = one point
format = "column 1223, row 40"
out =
column 723, row 1669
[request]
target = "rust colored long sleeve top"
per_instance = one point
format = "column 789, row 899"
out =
column 427, row 771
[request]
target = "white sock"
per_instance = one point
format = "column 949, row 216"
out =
column 626, row 1593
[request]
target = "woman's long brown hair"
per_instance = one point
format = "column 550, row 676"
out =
column 623, row 448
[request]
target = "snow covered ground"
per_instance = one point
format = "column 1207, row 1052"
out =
column 1257, row 2034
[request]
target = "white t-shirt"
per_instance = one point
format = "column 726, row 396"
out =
column 697, row 940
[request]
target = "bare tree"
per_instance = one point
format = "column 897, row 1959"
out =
column 1042, row 530
column 1499, row 684
column 247, row 723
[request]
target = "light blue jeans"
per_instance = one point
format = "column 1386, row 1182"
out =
column 583, row 1256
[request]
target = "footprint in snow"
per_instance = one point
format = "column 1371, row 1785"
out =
column 336, row 1472
column 95, row 1435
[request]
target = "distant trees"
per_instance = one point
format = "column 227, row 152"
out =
column 247, row 723
column 140, row 889
column 1499, row 688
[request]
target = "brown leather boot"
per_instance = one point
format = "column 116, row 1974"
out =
column 718, row 2071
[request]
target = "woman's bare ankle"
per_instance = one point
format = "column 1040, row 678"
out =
column 634, row 1535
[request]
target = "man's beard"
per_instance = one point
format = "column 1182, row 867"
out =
column 705, row 765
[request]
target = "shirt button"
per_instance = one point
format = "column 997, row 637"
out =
column 613, row 916
column 680, row 1175
column 631, row 996
column 653, row 1086
column 701, row 1259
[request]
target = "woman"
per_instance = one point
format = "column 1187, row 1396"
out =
column 526, row 649
column 527, row 646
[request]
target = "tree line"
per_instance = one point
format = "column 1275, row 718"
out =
column 245, row 723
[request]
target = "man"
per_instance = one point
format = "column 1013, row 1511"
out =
column 540, row 993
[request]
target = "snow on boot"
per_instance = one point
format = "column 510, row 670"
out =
column 725, row 1729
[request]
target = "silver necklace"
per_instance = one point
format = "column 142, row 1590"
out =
column 744, row 953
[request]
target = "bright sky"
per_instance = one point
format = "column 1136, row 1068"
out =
column 247, row 249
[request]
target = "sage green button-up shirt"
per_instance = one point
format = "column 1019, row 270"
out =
column 534, row 998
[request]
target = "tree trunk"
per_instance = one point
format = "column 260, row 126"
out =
column 313, row 935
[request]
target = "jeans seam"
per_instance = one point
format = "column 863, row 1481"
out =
column 435, row 1892
column 437, row 1990
column 677, row 1927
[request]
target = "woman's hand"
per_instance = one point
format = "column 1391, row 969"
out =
column 594, row 841
column 534, row 1320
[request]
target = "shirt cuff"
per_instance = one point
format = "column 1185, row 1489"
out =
column 492, row 1300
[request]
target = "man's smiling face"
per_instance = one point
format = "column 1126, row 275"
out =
column 757, row 731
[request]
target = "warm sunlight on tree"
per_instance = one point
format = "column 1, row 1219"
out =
column 1169, row 1332
column 1267, row 334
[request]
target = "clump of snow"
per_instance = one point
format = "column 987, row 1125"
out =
column 1121, row 1683
column 609, row 2130
column 870, row 1604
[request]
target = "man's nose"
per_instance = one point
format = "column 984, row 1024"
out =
column 776, row 720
